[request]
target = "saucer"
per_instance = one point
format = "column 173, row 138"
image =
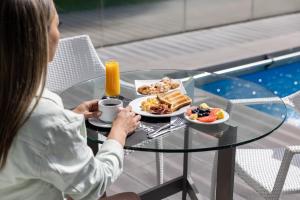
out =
column 99, row 123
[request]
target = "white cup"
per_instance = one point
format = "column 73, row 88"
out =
column 109, row 109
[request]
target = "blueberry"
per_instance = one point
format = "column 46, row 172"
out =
column 201, row 111
column 203, row 115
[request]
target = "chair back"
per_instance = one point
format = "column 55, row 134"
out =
column 293, row 100
column 76, row 60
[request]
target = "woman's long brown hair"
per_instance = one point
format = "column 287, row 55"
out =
column 23, row 63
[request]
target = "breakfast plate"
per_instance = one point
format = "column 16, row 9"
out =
column 99, row 123
column 136, row 107
column 140, row 83
column 218, row 121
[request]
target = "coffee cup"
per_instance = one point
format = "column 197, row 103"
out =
column 109, row 109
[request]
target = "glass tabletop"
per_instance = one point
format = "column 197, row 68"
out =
column 254, row 112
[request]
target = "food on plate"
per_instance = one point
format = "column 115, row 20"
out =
column 205, row 113
column 170, row 82
column 175, row 99
column 154, row 106
column 164, row 85
column 145, row 89
column 165, row 103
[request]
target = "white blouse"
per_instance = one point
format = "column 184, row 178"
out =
column 49, row 157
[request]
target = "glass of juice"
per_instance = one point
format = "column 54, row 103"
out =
column 112, row 79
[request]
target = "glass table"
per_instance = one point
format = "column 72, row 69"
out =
column 254, row 112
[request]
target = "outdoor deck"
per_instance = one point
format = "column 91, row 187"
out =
column 139, row 172
column 194, row 50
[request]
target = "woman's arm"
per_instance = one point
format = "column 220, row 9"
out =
column 69, row 163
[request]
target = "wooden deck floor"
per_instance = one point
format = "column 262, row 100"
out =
column 139, row 172
column 204, row 48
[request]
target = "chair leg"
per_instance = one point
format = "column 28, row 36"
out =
column 214, row 178
column 159, row 164
column 159, row 168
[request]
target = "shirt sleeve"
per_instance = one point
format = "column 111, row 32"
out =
column 71, row 166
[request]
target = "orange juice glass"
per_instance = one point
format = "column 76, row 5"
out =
column 112, row 78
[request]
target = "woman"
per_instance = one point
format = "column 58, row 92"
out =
column 43, row 151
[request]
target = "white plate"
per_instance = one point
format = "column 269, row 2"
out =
column 139, row 83
column 135, row 104
column 219, row 121
column 99, row 123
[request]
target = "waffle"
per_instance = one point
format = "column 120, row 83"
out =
column 175, row 99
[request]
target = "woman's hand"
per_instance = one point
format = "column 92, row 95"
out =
column 89, row 109
column 125, row 123
column 127, row 120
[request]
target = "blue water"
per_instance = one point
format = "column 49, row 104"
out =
column 281, row 81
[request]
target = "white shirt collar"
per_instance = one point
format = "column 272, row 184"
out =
column 47, row 94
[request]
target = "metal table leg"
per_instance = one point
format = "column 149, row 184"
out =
column 225, row 167
column 183, row 183
column 188, row 184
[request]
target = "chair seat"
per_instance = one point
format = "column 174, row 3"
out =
column 259, row 168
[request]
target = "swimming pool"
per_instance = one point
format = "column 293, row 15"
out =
column 282, row 79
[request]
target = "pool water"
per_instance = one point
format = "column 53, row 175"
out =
column 282, row 81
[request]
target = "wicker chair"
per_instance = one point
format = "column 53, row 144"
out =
column 76, row 60
column 270, row 172
column 293, row 100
